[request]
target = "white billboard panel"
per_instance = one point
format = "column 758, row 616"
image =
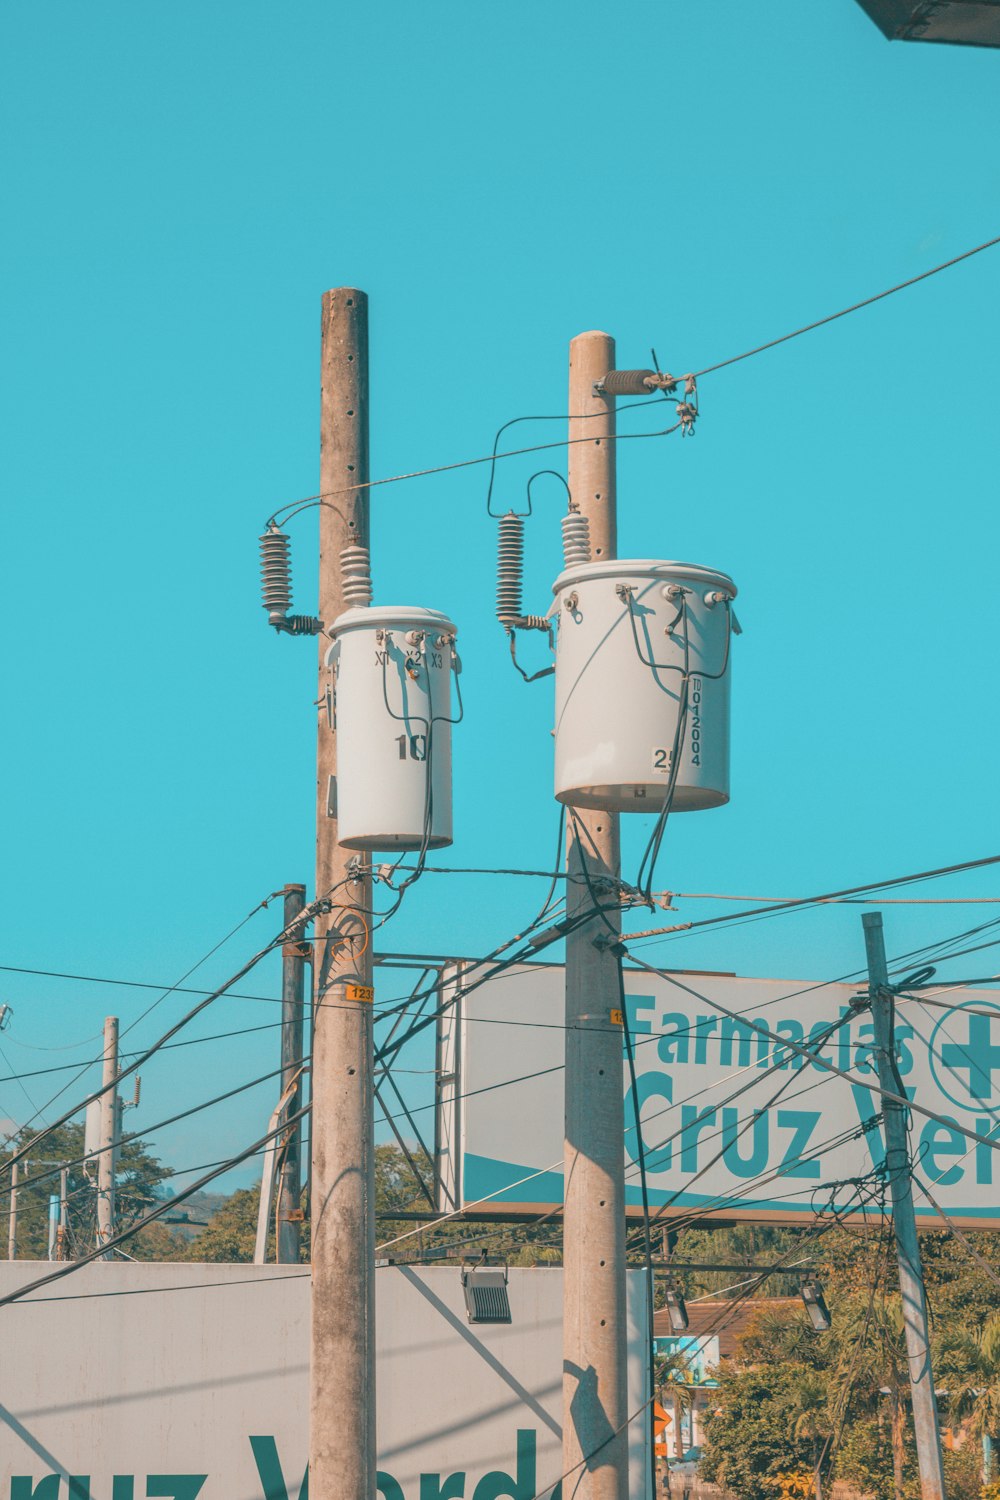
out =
column 734, row 1123
column 132, row 1382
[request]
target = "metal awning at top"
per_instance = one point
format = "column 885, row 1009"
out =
column 970, row 23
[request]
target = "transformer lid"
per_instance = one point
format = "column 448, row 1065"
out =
column 625, row 568
column 392, row 617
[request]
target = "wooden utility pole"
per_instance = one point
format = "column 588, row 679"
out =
column 12, row 1214
column 108, row 1137
column 342, row 1394
column 904, row 1223
column 288, row 1238
column 595, row 1394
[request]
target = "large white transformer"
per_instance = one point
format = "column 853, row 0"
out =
column 642, row 680
column 392, row 713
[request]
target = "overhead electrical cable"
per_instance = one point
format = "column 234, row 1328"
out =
column 143, row 1057
column 170, row 989
column 817, row 900
column 494, row 457
column 192, row 1041
column 823, row 897
column 819, row 1062
column 959, row 1234
column 136, row 1135
column 854, row 307
column 102, row 1250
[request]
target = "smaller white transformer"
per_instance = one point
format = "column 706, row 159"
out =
column 642, row 681
column 391, row 711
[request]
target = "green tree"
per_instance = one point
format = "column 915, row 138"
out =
column 748, row 1435
column 811, row 1423
column 969, row 1361
column 231, row 1233
column 672, row 1379
column 138, row 1178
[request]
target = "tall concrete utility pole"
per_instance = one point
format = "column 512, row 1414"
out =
column 898, row 1171
column 108, row 1137
column 342, row 1393
column 293, row 966
column 595, row 1397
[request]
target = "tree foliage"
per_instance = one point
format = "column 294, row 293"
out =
column 138, row 1178
column 837, row 1403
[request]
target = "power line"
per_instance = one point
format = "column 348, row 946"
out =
column 83, row 1068
column 293, row 506
column 854, row 890
column 193, row 1041
column 172, row 1031
column 150, row 1218
column 980, row 1260
column 188, row 1286
column 552, row 935
column 818, row 1061
column 781, row 905
column 663, row 896
column 854, row 307
column 137, row 1135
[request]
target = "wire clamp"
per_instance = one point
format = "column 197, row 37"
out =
column 605, row 942
column 687, row 415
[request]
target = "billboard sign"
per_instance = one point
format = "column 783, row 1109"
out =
column 735, row 1124
column 151, row 1381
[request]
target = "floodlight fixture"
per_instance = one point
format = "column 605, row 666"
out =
column 811, row 1292
column 676, row 1306
column 485, row 1289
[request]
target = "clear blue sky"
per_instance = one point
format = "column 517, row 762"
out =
column 182, row 182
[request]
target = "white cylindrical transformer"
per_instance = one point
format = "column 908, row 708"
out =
column 642, row 678
column 392, row 713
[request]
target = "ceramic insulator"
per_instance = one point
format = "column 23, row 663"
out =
column 576, row 539
column 275, row 571
column 356, row 573
column 510, row 561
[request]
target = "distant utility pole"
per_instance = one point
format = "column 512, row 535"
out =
column 62, row 1238
column 595, row 1394
column 342, row 1462
column 12, row 1214
column 108, row 1140
column 293, row 966
column 898, row 1171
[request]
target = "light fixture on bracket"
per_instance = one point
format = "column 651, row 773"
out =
column 485, row 1289
column 811, row 1292
column 676, row 1306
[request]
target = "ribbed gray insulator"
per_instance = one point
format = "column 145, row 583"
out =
column 576, row 539
column 275, row 571
column 510, row 561
column 302, row 625
column 627, row 382
column 356, row 576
